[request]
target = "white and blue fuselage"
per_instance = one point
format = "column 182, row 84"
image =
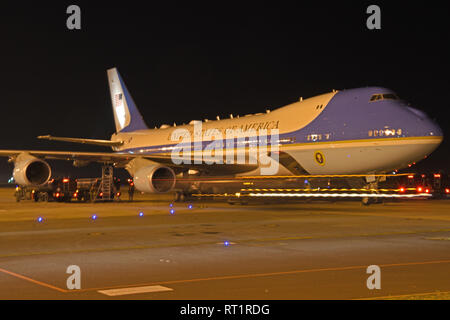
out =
column 357, row 131
column 365, row 131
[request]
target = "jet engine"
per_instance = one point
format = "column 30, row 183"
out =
column 155, row 179
column 30, row 171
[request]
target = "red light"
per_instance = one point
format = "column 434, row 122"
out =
column 419, row 189
column 118, row 194
column 75, row 195
column 65, row 180
column 402, row 189
column 427, row 190
column 447, row 190
column 423, row 176
column 437, row 175
column 410, row 176
column 101, row 194
column 57, row 195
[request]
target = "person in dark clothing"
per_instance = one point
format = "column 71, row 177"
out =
column 131, row 191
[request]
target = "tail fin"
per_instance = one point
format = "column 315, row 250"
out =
column 126, row 114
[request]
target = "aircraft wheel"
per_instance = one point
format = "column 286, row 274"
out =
column 180, row 196
column 365, row 201
column 43, row 197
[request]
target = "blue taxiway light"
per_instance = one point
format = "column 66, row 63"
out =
column 172, row 211
column 94, row 217
column 40, row 219
column 171, row 205
column 141, row 214
column 190, row 206
column 226, row 243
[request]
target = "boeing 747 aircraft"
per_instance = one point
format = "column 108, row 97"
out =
column 365, row 131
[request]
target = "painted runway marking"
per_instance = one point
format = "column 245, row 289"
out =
column 280, row 273
column 134, row 290
column 43, row 284
column 409, row 295
column 156, row 286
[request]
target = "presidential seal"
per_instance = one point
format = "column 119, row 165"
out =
column 319, row 158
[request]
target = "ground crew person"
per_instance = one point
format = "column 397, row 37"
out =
column 131, row 191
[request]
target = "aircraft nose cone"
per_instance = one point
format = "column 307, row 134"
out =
column 425, row 125
column 435, row 130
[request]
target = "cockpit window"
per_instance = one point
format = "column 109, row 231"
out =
column 392, row 96
column 385, row 96
column 375, row 97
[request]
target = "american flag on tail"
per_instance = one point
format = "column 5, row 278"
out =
column 118, row 99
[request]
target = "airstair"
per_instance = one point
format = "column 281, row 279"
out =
column 106, row 190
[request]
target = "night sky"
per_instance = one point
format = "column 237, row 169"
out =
column 196, row 61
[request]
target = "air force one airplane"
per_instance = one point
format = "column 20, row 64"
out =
column 364, row 131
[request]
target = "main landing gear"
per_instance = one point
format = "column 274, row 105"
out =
column 372, row 188
column 180, row 196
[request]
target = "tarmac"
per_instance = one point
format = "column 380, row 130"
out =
column 213, row 250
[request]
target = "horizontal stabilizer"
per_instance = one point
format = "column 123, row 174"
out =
column 105, row 143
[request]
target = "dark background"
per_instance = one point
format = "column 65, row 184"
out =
column 199, row 60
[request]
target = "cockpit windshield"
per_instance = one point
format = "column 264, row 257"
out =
column 384, row 96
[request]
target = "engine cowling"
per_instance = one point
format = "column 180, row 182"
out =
column 155, row 179
column 31, row 171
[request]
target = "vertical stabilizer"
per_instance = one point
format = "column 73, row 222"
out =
column 126, row 114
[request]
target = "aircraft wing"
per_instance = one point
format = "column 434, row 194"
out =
column 98, row 142
column 71, row 155
column 121, row 159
